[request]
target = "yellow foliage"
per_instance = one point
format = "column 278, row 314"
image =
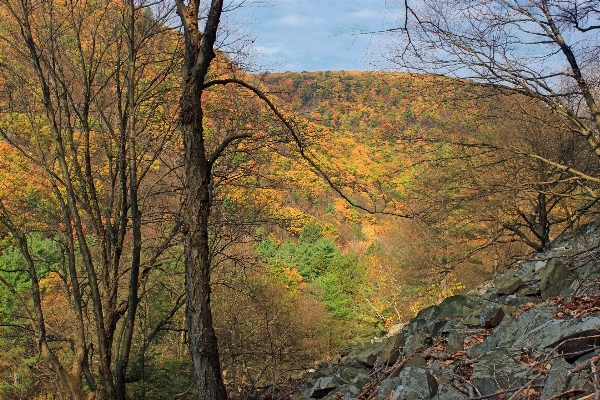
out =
column 296, row 219
column 435, row 294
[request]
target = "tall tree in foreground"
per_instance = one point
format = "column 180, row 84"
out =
column 199, row 53
column 202, row 155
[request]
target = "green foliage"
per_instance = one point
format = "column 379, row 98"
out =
column 337, row 279
column 334, row 297
column 13, row 268
column 163, row 379
column 313, row 255
column 16, row 344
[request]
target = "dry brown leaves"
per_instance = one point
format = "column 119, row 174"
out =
column 478, row 338
column 525, row 307
column 578, row 307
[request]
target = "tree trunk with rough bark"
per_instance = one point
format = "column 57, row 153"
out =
column 199, row 52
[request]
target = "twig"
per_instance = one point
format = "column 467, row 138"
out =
column 369, row 392
column 568, row 392
column 496, row 394
column 595, row 380
column 182, row 394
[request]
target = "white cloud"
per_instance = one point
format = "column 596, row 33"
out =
column 292, row 20
column 271, row 50
column 365, row 14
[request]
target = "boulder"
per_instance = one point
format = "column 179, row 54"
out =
column 552, row 333
column 446, row 392
column 348, row 392
column 456, row 342
column 497, row 370
column 554, row 278
column 558, row 379
column 385, row 352
column 323, row 386
column 416, row 341
column 413, row 383
column 507, row 284
column 416, row 360
column 368, row 356
column 389, row 353
column 459, row 306
column 512, row 328
column 491, row 315
column 352, row 375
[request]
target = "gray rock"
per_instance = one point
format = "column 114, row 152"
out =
column 456, row 342
column 351, row 374
column 528, row 269
column 361, row 380
column 512, row 328
column 497, row 370
column 415, row 341
column 412, row 384
column 416, row 361
column 348, row 393
column 556, row 379
column 459, row 306
column 551, row 333
column 320, row 373
column 507, row 284
column 388, row 386
column 389, row 353
column 521, row 300
column 491, row 315
column 554, row 278
column 472, row 352
column 446, row 392
column 323, row 386
column 529, row 291
column 472, row 321
column 385, row 352
column 368, row 356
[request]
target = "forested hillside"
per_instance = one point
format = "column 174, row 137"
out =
column 341, row 206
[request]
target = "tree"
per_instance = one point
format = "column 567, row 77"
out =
column 543, row 49
column 86, row 93
column 486, row 175
column 202, row 156
column 539, row 56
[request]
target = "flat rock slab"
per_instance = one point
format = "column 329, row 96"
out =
column 323, row 386
column 497, row 370
column 412, row 383
column 515, row 328
column 507, row 284
column 552, row 333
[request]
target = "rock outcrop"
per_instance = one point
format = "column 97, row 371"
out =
column 532, row 332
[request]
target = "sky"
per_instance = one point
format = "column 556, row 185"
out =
column 313, row 35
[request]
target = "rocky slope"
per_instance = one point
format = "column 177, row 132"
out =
column 531, row 333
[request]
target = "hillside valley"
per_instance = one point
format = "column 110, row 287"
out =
column 423, row 201
column 529, row 333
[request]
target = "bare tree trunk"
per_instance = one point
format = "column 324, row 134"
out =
column 202, row 337
column 199, row 52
